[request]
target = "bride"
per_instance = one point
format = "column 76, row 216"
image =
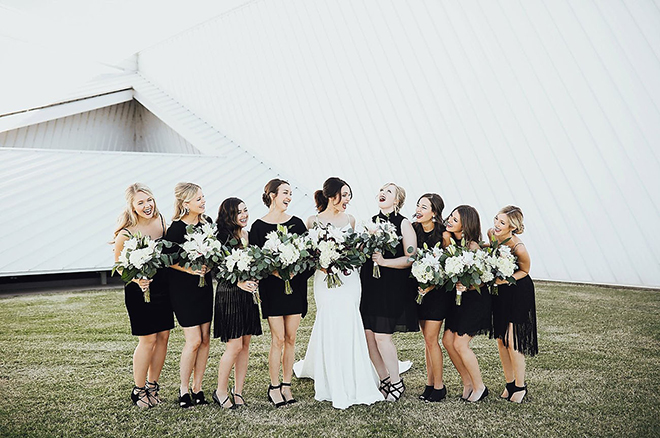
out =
column 337, row 357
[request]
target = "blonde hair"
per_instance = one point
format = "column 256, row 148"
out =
column 515, row 216
column 399, row 196
column 184, row 192
column 128, row 218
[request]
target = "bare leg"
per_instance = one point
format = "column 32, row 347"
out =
column 193, row 338
column 431, row 332
column 276, row 324
column 158, row 356
column 462, row 346
column 233, row 349
column 375, row 356
column 202, row 356
column 142, row 357
column 387, row 351
column 291, row 323
column 448, row 341
column 240, row 369
column 507, row 366
column 518, row 364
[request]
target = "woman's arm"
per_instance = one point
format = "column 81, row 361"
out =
column 409, row 249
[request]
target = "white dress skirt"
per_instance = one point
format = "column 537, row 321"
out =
column 337, row 357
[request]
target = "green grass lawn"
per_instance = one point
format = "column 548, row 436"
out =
column 65, row 370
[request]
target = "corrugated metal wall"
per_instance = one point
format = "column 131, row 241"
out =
column 550, row 105
column 125, row 127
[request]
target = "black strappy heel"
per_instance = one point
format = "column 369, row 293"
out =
column 481, row 397
column 396, row 390
column 384, row 386
column 235, row 394
column 152, row 392
column 270, row 399
column 291, row 400
column 198, row 398
column 509, row 389
column 518, row 389
column 140, row 397
column 215, row 398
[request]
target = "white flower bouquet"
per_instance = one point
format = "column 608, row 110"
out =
column 427, row 268
column 243, row 264
column 140, row 258
column 501, row 261
column 289, row 254
column 466, row 266
column 334, row 251
column 379, row 236
column 201, row 248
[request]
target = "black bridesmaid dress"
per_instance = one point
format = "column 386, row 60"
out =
column 236, row 314
column 192, row 305
column 516, row 304
column 437, row 302
column 274, row 301
column 388, row 303
column 155, row 316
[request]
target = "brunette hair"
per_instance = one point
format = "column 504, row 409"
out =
column 515, row 216
column 437, row 205
column 331, row 188
column 272, row 186
column 128, row 218
column 228, row 226
column 399, row 196
column 184, row 192
column 470, row 223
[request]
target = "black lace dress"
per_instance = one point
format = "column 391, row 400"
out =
column 274, row 302
column 192, row 305
column 236, row 314
column 388, row 302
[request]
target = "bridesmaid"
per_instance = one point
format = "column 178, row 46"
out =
column 514, row 308
column 388, row 302
column 473, row 316
column 429, row 227
column 193, row 305
column 236, row 314
column 150, row 322
column 283, row 311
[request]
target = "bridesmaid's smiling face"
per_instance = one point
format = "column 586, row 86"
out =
column 242, row 216
column 454, row 223
column 144, row 205
column 341, row 200
column 283, row 198
column 197, row 205
column 502, row 225
column 386, row 197
column 424, row 211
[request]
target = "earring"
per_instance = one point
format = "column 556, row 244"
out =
column 186, row 210
column 433, row 219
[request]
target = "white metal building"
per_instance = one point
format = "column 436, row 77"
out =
column 549, row 105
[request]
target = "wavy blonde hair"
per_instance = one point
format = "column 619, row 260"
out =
column 128, row 218
column 399, row 196
column 516, row 218
column 184, row 192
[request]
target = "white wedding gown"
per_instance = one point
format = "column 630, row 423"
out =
column 337, row 357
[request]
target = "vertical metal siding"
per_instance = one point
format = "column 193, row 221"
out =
column 550, row 105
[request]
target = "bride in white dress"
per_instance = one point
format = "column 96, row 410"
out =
column 337, row 357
